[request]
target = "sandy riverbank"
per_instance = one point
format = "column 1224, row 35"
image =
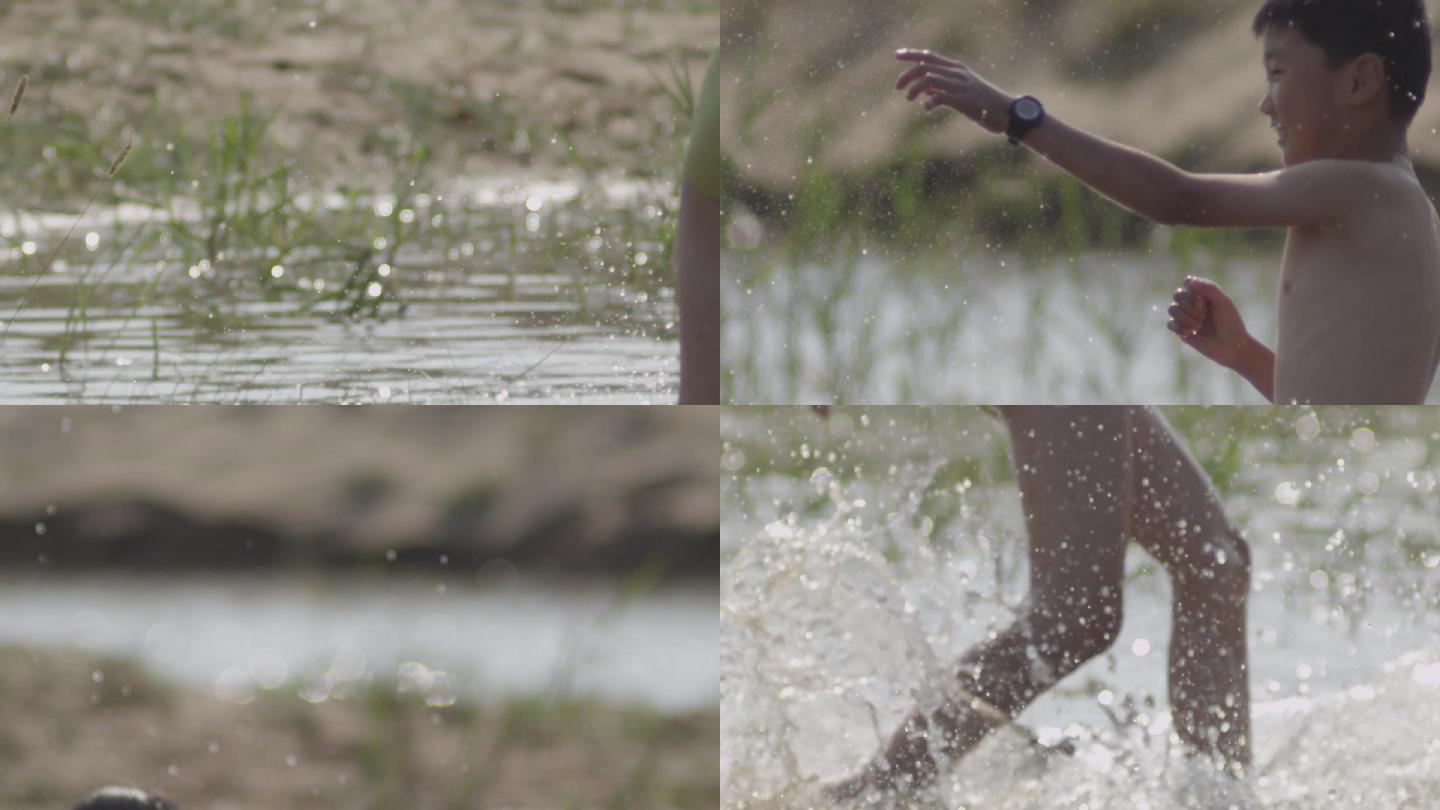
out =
column 73, row 723
column 474, row 81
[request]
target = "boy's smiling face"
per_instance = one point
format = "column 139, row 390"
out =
column 1302, row 99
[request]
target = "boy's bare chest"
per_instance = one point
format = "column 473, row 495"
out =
column 1316, row 262
column 1342, row 261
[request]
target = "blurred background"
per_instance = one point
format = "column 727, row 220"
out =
column 446, row 201
column 862, row 555
column 875, row 253
column 402, row 607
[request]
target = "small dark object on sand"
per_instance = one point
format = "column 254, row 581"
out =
column 117, row 798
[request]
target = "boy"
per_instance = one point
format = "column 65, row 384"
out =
column 1359, row 312
column 1091, row 478
column 697, row 251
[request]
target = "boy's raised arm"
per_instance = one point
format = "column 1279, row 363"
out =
column 1138, row 181
column 1310, row 193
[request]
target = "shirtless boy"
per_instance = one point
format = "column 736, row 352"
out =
column 1359, row 314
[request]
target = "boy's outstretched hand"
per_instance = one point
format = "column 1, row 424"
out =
column 947, row 83
column 1208, row 321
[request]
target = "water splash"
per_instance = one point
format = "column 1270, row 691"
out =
column 841, row 615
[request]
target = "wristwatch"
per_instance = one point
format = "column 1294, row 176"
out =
column 1026, row 113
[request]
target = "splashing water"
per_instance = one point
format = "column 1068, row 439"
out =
column 804, row 695
column 838, row 619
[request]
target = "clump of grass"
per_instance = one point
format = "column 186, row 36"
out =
column 235, row 217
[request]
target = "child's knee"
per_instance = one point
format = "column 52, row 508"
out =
column 1222, row 571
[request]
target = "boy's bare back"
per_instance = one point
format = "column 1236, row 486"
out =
column 1359, row 319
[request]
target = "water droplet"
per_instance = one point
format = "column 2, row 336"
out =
column 1287, row 493
column 1307, row 427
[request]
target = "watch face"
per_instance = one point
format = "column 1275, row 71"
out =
column 1027, row 109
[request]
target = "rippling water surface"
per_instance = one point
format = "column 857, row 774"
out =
column 524, row 293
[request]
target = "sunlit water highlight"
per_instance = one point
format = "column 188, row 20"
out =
column 445, row 639
column 504, row 316
column 838, row 616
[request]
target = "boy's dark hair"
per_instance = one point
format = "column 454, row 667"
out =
column 124, row 799
column 1398, row 31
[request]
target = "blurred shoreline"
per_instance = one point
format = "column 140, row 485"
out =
column 610, row 490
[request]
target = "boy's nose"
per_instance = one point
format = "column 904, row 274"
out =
column 1266, row 107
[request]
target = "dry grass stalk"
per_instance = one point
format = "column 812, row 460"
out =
column 120, row 161
column 19, row 93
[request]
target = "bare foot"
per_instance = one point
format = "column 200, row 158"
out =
column 906, row 765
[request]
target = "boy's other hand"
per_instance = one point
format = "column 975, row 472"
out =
column 948, row 83
column 1208, row 321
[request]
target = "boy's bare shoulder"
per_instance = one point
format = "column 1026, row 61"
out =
column 1369, row 185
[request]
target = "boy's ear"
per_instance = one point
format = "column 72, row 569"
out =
column 1365, row 78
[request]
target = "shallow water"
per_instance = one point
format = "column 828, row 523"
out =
column 842, row 604
column 981, row 329
column 506, row 314
column 333, row 637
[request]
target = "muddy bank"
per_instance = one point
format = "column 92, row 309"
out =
column 592, row 489
column 74, row 723
column 479, row 83
column 1177, row 79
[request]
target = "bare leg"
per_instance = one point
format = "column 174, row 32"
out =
column 1073, row 467
column 1089, row 479
column 1179, row 520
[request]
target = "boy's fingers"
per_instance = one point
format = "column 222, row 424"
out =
column 1187, row 335
column 929, row 70
column 1178, row 316
column 1207, row 290
column 910, row 75
column 1190, row 304
column 932, row 84
column 912, row 55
